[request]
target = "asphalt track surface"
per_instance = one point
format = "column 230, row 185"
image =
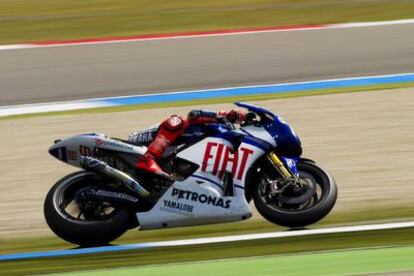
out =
column 119, row 69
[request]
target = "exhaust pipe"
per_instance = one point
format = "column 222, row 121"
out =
column 95, row 165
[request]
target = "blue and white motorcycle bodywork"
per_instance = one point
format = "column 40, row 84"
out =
column 218, row 169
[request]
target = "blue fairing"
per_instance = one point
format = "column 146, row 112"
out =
column 265, row 146
column 256, row 109
column 291, row 163
column 196, row 133
column 288, row 143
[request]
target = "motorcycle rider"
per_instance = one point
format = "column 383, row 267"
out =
column 172, row 128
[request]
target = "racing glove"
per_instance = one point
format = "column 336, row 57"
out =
column 236, row 116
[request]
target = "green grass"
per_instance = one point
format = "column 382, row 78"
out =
column 36, row 20
column 44, row 243
column 253, row 97
column 368, row 260
column 216, row 251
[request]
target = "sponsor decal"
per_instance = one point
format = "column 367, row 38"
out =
column 187, row 208
column 100, row 142
column 85, row 150
column 201, row 198
column 220, row 154
column 142, row 137
column 72, row 154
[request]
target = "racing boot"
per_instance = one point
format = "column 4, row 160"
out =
column 168, row 132
column 148, row 164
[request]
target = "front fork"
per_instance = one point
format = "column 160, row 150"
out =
column 284, row 171
column 289, row 177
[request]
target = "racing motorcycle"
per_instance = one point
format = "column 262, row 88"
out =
column 217, row 170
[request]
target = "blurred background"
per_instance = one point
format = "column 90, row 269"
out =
column 362, row 134
column 37, row 20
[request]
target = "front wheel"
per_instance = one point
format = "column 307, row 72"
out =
column 308, row 202
column 79, row 220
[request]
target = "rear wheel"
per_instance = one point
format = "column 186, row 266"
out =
column 298, row 205
column 79, row 220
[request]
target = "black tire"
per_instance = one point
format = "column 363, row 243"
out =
column 82, row 232
column 307, row 216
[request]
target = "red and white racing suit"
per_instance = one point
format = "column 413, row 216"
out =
column 172, row 128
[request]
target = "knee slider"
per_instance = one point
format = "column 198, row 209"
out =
column 174, row 123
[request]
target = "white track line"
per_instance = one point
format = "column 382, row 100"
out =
column 372, row 23
column 106, row 102
column 48, row 107
column 15, row 46
column 297, row 233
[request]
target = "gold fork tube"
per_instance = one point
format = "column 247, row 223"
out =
column 279, row 165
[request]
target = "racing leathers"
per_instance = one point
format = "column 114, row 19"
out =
column 170, row 129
